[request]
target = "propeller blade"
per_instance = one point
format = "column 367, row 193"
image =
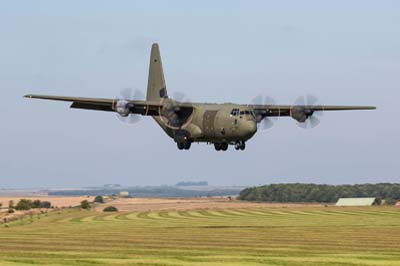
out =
column 178, row 96
column 311, row 100
column 319, row 114
column 269, row 101
column 138, row 95
column 126, row 94
column 264, row 122
column 303, row 125
column 133, row 119
column 314, row 121
column 258, row 100
column 267, row 123
column 300, row 101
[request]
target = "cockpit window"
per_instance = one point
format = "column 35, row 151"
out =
column 246, row 112
column 235, row 112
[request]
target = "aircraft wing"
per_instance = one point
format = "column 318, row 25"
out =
column 300, row 112
column 103, row 104
column 282, row 110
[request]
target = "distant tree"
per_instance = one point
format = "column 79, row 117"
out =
column 36, row 204
column 24, row 205
column 1, row 204
column 11, row 204
column 85, row 204
column 110, row 209
column 99, row 199
column 378, row 201
column 45, row 204
column 390, row 201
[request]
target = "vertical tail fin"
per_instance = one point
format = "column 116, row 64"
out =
column 156, row 88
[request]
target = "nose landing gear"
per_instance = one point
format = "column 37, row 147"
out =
column 240, row 145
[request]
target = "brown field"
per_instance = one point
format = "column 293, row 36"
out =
column 55, row 201
column 58, row 202
column 161, row 204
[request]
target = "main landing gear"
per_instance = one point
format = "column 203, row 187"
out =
column 221, row 146
column 239, row 145
column 185, row 145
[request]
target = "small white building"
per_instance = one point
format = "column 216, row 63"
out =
column 356, row 202
column 124, row 194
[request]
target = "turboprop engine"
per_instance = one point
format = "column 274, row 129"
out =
column 122, row 107
column 174, row 115
column 301, row 114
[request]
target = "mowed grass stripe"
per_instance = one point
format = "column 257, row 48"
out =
column 254, row 212
column 188, row 215
column 234, row 213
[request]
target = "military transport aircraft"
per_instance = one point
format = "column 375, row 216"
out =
column 186, row 122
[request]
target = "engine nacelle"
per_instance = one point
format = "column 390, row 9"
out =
column 301, row 115
column 122, row 108
column 173, row 115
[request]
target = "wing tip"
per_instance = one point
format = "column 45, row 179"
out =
column 30, row 96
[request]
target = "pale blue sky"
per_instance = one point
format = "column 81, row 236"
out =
column 344, row 52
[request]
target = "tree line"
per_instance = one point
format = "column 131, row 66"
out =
column 320, row 193
column 26, row 204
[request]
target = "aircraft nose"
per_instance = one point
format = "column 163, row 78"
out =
column 251, row 128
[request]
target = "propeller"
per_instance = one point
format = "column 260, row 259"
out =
column 123, row 105
column 180, row 97
column 307, row 118
column 264, row 122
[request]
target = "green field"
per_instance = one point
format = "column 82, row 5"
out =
column 303, row 236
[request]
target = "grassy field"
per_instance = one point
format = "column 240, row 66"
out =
column 301, row 236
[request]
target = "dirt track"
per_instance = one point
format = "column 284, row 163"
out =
column 152, row 204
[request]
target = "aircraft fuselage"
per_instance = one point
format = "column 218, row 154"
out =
column 214, row 123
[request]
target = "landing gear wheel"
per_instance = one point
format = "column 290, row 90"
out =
column 217, row 146
column 224, row 146
column 187, row 144
column 181, row 145
column 184, row 145
column 240, row 145
column 221, row 146
column 237, row 145
column 243, row 146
